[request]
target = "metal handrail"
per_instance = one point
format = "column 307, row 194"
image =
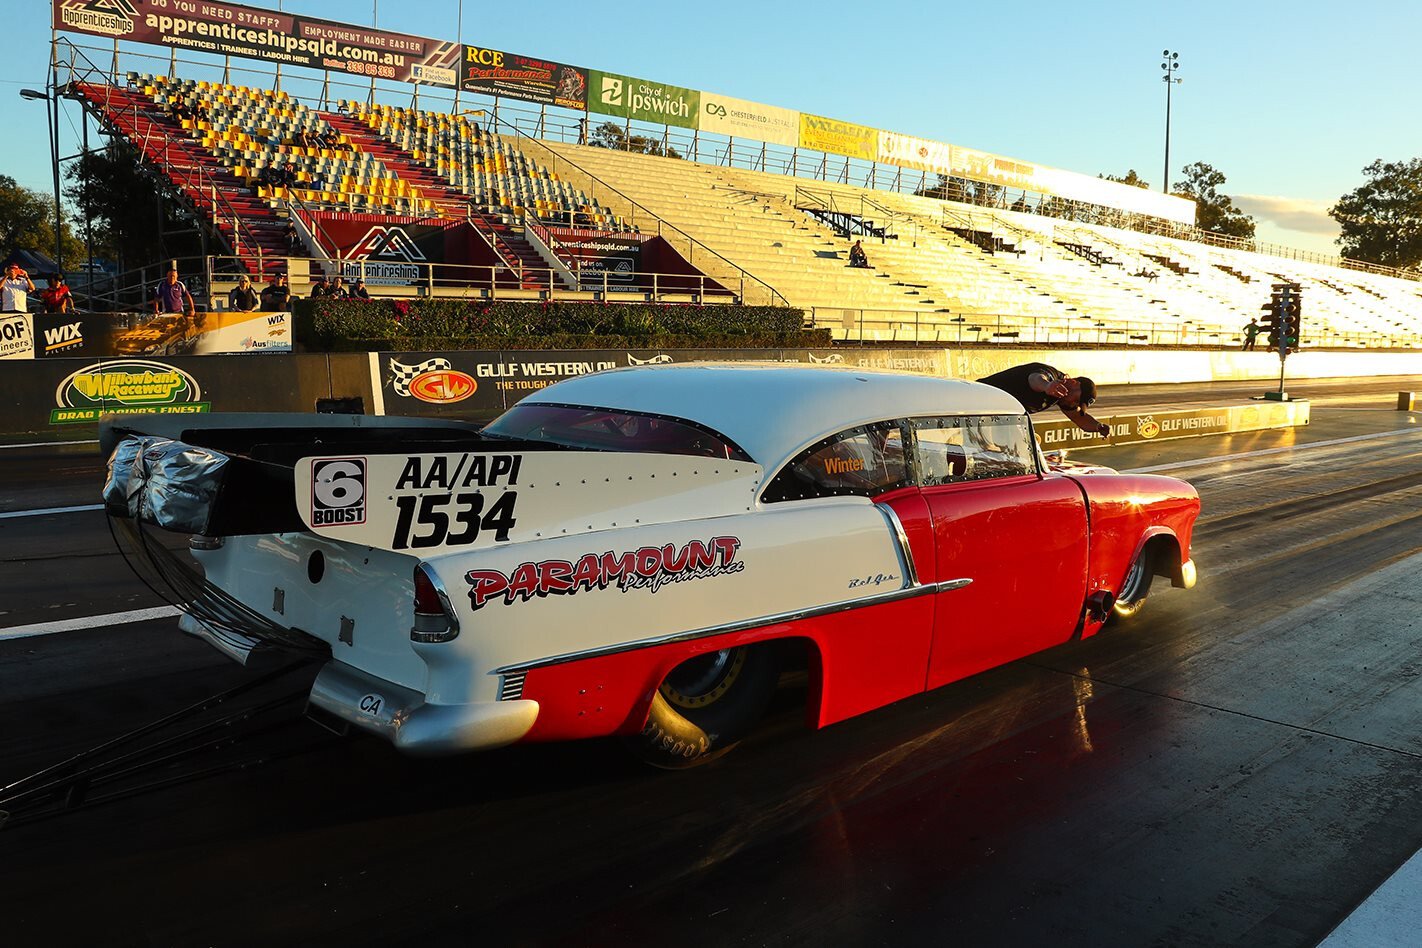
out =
column 661, row 224
column 914, row 326
column 482, row 280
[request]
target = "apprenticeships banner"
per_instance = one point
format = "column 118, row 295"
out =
column 230, row 29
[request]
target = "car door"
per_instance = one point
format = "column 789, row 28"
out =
column 1020, row 537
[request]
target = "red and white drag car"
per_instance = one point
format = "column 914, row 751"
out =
column 640, row 552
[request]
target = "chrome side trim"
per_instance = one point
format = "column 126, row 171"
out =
column 896, row 595
column 401, row 715
column 905, row 551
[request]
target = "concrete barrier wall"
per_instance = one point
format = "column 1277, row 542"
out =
column 1154, row 366
column 61, row 398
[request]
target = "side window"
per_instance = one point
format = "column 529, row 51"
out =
column 862, row 461
column 971, row 448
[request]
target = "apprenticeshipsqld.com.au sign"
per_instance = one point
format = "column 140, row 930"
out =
column 125, row 386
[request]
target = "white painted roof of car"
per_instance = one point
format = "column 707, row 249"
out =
column 775, row 410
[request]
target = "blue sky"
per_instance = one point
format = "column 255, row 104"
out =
column 1290, row 100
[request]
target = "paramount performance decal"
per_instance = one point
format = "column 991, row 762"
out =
column 648, row 567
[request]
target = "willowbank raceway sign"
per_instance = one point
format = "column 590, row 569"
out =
column 229, row 29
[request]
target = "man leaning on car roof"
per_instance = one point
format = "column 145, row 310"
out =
column 1039, row 386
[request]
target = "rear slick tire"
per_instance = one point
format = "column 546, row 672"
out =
column 705, row 705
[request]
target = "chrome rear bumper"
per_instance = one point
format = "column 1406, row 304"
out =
column 401, row 716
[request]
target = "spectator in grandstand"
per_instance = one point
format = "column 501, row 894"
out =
column 1251, row 333
column 359, row 292
column 179, row 110
column 307, row 139
column 293, row 238
column 857, row 256
column 242, row 298
column 171, row 296
column 1039, row 386
column 15, row 290
column 56, row 296
column 319, row 289
column 336, row 289
column 276, row 295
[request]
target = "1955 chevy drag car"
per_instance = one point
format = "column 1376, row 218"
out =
column 639, row 552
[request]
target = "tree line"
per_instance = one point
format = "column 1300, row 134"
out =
column 1380, row 221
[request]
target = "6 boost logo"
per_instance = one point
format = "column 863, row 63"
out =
column 337, row 491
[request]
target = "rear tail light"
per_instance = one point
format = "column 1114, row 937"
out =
column 434, row 614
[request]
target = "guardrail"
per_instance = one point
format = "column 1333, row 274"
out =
column 477, row 281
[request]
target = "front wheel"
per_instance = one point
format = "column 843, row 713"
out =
column 705, row 705
column 1134, row 588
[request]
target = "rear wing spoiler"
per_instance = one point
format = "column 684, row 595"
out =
column 231, row 474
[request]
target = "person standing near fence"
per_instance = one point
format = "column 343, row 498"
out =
column 15, row 290
column 242, row 297
column 172, row 296
column 56, row 296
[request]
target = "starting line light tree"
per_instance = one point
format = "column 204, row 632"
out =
column 1283, row 324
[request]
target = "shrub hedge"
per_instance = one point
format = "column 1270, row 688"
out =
column 407, row 325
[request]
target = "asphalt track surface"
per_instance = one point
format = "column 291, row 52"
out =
column 1243, row 765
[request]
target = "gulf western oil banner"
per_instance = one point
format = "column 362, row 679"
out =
column 737, row 118
column 840, row 138
column 1057, row 433
column 230, row 29
column 642, row 100
column 515, row 76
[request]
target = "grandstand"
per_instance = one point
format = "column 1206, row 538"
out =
column 941, row 271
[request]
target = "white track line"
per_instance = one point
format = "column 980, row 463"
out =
column 45, row 444
column 1388, row 917
column 88, row 622
column 1266, row 451
column 46, row 511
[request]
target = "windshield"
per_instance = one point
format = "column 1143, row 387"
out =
column 611, row 429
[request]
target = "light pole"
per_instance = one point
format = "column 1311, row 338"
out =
column 1171, row 63
column 54, row 161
